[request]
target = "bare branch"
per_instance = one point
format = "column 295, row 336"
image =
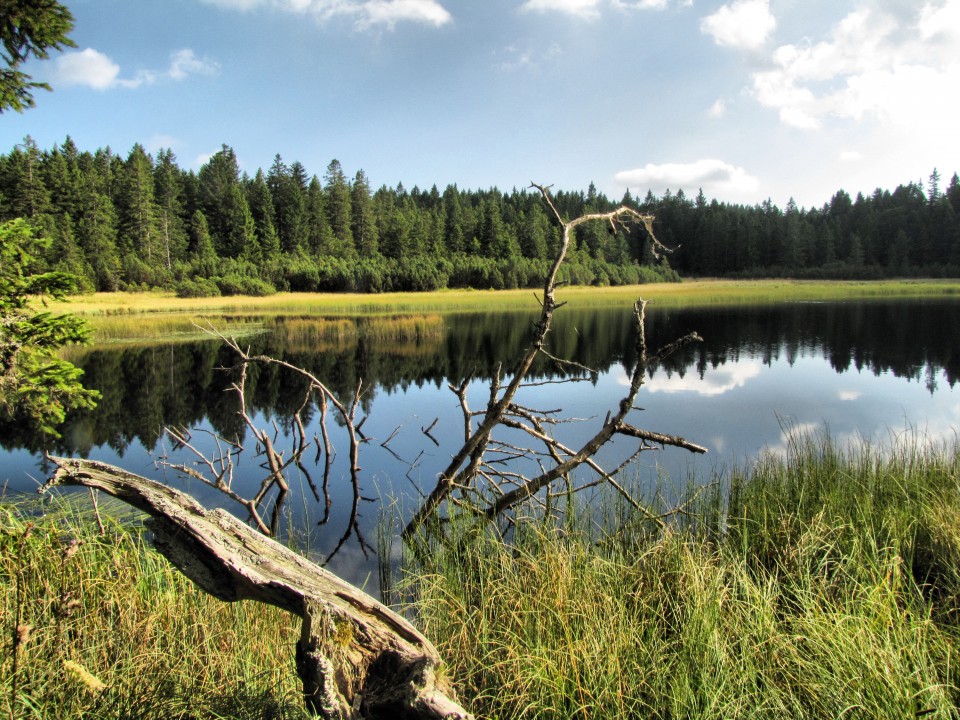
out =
column 468, row 461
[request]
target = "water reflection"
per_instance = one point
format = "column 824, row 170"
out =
column 859, row 368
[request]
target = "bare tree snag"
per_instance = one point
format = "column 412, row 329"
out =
column 470, row 480
column 356, row 658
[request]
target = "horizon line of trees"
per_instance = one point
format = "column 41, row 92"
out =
column 144, row 222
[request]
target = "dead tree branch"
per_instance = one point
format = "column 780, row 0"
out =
column 216, row 468
column 461, row 476
column 356, row 658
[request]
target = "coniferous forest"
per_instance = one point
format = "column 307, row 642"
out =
column 141, row 221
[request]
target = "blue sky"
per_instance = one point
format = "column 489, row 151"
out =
column 748, row 99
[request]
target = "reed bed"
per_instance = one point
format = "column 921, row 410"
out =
column 820, row 584
column 155, row 314
column 402, row 335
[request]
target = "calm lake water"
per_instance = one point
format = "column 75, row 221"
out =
column 861, row 369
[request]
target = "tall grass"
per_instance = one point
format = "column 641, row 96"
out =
column 820, row 584
column 402, row 335
column 108, row 629
column 823, row 582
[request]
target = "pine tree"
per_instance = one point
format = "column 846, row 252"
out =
column 933, row 187
column 453, row 232
column 97, row 236
column 168, row 191
column 22, row 182
column 337, row 196
column 136, row 208
column 320, row 240
column 261, row 209
column 201, row 245
column 217, row 193
column 363, row 224
column 288, row 187
column 36, row 386
column 29, row 28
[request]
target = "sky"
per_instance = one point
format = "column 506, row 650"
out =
column 746, row 99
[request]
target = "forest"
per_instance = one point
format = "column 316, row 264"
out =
column 143, row 222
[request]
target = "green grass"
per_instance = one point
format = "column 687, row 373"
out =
column 156, row 315
column 116, row 632
column 822, row 585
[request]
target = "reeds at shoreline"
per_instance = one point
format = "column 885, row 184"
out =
column 819, row 583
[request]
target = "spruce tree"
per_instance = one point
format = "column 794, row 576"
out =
column 36, row 386
column 337, row 196
column 363, row 224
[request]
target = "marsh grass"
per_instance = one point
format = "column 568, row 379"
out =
column 818, row 584
column 110, row 630
column 156, row 315
column 399, row 335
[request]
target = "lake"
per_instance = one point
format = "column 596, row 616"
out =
column 861, row 369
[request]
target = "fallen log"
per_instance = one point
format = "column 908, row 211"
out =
column 356, row 658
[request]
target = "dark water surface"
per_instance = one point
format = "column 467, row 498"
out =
column 862, row 369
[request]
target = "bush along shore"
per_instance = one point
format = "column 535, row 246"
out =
column 821, row 582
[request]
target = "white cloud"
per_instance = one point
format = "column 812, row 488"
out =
column 87, row 67
column 515, row 59
column 849, row 395
column 715, row 382
column 850, row 156
column 95, row 70
column 200, row 160
column 591, row 8
column 366, row 13
column 744, row 24
column 390, row 12
column 874, row 65
column 718, row 109
column 940, row 23
column 185, row 62
column 581, row 8
column 715, row 177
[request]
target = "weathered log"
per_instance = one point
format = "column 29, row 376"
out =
column 356, row 658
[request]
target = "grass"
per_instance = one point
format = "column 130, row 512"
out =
column 821, row 583
column 156, row 315
column 109, row 629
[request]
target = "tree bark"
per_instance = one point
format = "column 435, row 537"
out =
column 356, row 658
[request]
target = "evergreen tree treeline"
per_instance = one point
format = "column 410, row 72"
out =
column 907, row 232
column 141, row 221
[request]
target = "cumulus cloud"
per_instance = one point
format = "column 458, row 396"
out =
column 366, row 13
column 743, row 24
column 390, row 12
column 87, row 67
column 91, row 68
column 874, row 64
column 715, row 177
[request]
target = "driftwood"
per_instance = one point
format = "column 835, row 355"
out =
column 355, row 657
